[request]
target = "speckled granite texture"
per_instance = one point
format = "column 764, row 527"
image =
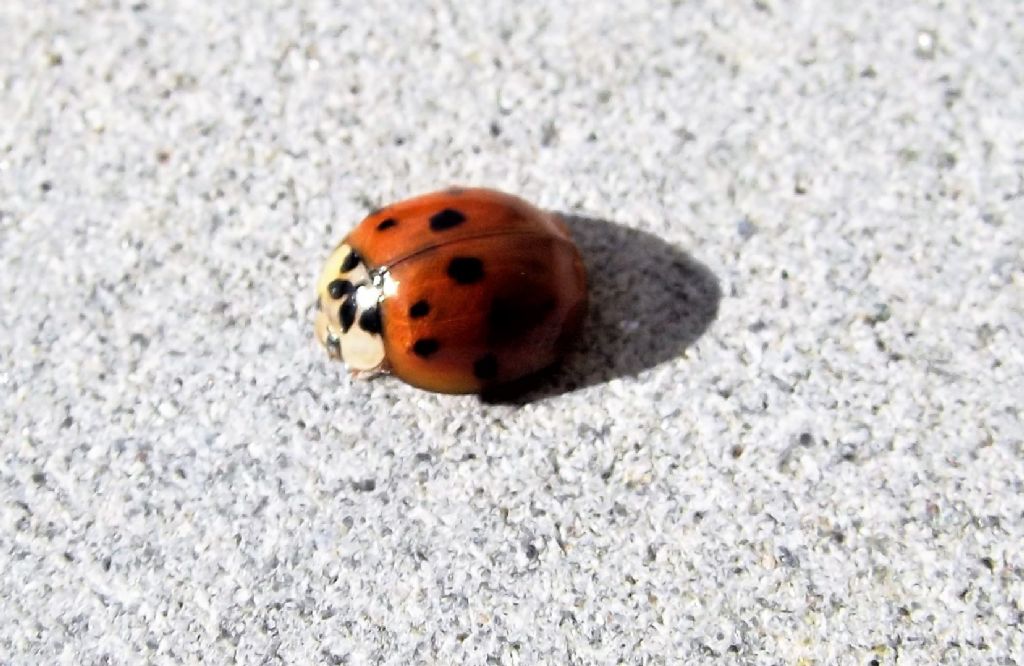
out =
column 790, row 435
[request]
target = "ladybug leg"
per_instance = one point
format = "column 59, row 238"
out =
column 326, row 337
column 382, row 369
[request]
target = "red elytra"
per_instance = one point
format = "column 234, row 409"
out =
column 454, row 291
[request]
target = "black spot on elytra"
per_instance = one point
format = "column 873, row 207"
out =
column 486, row 367
column 446, row 219
column 351, row 261
column 419, row 309
column 347, row 313
column 425, row 347
column 510, row 318
column 466, row 270
column 369, row 321
column 339, row 288
column 676, row 304
column 387, row 224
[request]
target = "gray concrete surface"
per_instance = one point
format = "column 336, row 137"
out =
column 790, row 435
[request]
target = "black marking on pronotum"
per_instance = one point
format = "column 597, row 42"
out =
column 486, row 367
column 339, row 288
column 425, row 347
column 446, row 219
column 466, row 270
column 369, row 321
column 419, row 309
column 351, row 261
column 386, row 224
column 347, row 313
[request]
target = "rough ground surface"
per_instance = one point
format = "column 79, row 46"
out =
column 791, row 434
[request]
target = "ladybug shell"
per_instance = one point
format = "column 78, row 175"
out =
column 478, row 287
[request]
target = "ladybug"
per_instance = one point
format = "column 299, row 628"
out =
column 454, row 291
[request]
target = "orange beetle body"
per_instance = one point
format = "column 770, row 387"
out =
column 454, row 291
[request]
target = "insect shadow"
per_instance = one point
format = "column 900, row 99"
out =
column 649, row 301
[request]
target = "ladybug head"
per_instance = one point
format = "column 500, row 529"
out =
column 348, row 320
